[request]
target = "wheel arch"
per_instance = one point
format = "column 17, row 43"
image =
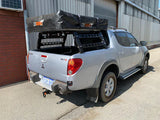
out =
column 146, row 54
column 107, row 66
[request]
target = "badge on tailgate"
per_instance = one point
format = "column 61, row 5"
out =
column 44, row 58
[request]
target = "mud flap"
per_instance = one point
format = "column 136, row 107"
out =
column 93, row 94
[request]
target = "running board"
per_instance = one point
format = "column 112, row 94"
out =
column 130, row 73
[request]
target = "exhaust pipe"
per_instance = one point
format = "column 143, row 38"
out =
column 59, row 88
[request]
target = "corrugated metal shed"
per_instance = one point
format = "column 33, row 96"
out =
column 80, row 7
column 40, row 7
column 106, row 9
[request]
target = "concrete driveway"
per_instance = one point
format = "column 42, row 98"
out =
column 137, row 98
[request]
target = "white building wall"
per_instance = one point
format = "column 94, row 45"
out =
column 41, row 7
column 143, row 26
column 106, row 9
column 159, row 12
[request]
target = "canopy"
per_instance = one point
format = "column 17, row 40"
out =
column 64, row 21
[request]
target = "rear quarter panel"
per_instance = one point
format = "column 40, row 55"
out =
column 92, row 63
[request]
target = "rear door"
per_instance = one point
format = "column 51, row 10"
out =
column 124, row 51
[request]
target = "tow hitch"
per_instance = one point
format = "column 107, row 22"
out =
column 45, row 92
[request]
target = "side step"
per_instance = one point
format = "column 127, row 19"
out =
column 130, row 73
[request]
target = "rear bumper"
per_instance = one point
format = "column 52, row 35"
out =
column 34, row 77
column 57, row 86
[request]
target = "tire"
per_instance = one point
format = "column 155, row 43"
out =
column 145, row 66
column 108, row 81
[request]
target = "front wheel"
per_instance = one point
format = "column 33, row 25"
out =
column 108, row 87
column 145, row 66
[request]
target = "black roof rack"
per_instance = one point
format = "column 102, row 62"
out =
column 64, row 21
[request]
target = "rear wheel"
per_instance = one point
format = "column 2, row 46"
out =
column 108, row 87
column 145, row 66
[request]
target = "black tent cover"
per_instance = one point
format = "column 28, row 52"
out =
column 64, row 21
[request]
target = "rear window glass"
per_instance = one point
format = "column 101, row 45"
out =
column 122, row 38
column 132, row 40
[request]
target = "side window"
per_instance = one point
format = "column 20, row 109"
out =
column 132, row 40
column 122, row 39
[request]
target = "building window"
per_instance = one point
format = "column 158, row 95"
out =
column 16, row 4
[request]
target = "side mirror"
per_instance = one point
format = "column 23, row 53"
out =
column 143, row 43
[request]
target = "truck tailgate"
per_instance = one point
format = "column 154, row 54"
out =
column 50, row 65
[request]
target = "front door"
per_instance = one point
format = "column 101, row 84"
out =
column 135, row 50
column 124, row 51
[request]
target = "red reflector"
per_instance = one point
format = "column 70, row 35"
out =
column 88, row 25
column 28, row 58
column 74, row 65
column 43, row 56
column 39, row 23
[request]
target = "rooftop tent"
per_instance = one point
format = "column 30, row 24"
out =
column 65, row 21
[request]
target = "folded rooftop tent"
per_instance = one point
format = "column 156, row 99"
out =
column 63, row 21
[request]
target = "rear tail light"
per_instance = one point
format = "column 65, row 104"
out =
column 28, row 58
column 74, row 65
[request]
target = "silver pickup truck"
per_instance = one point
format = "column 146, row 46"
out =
column 94, row 61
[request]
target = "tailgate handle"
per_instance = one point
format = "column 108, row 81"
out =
column 44, row 58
